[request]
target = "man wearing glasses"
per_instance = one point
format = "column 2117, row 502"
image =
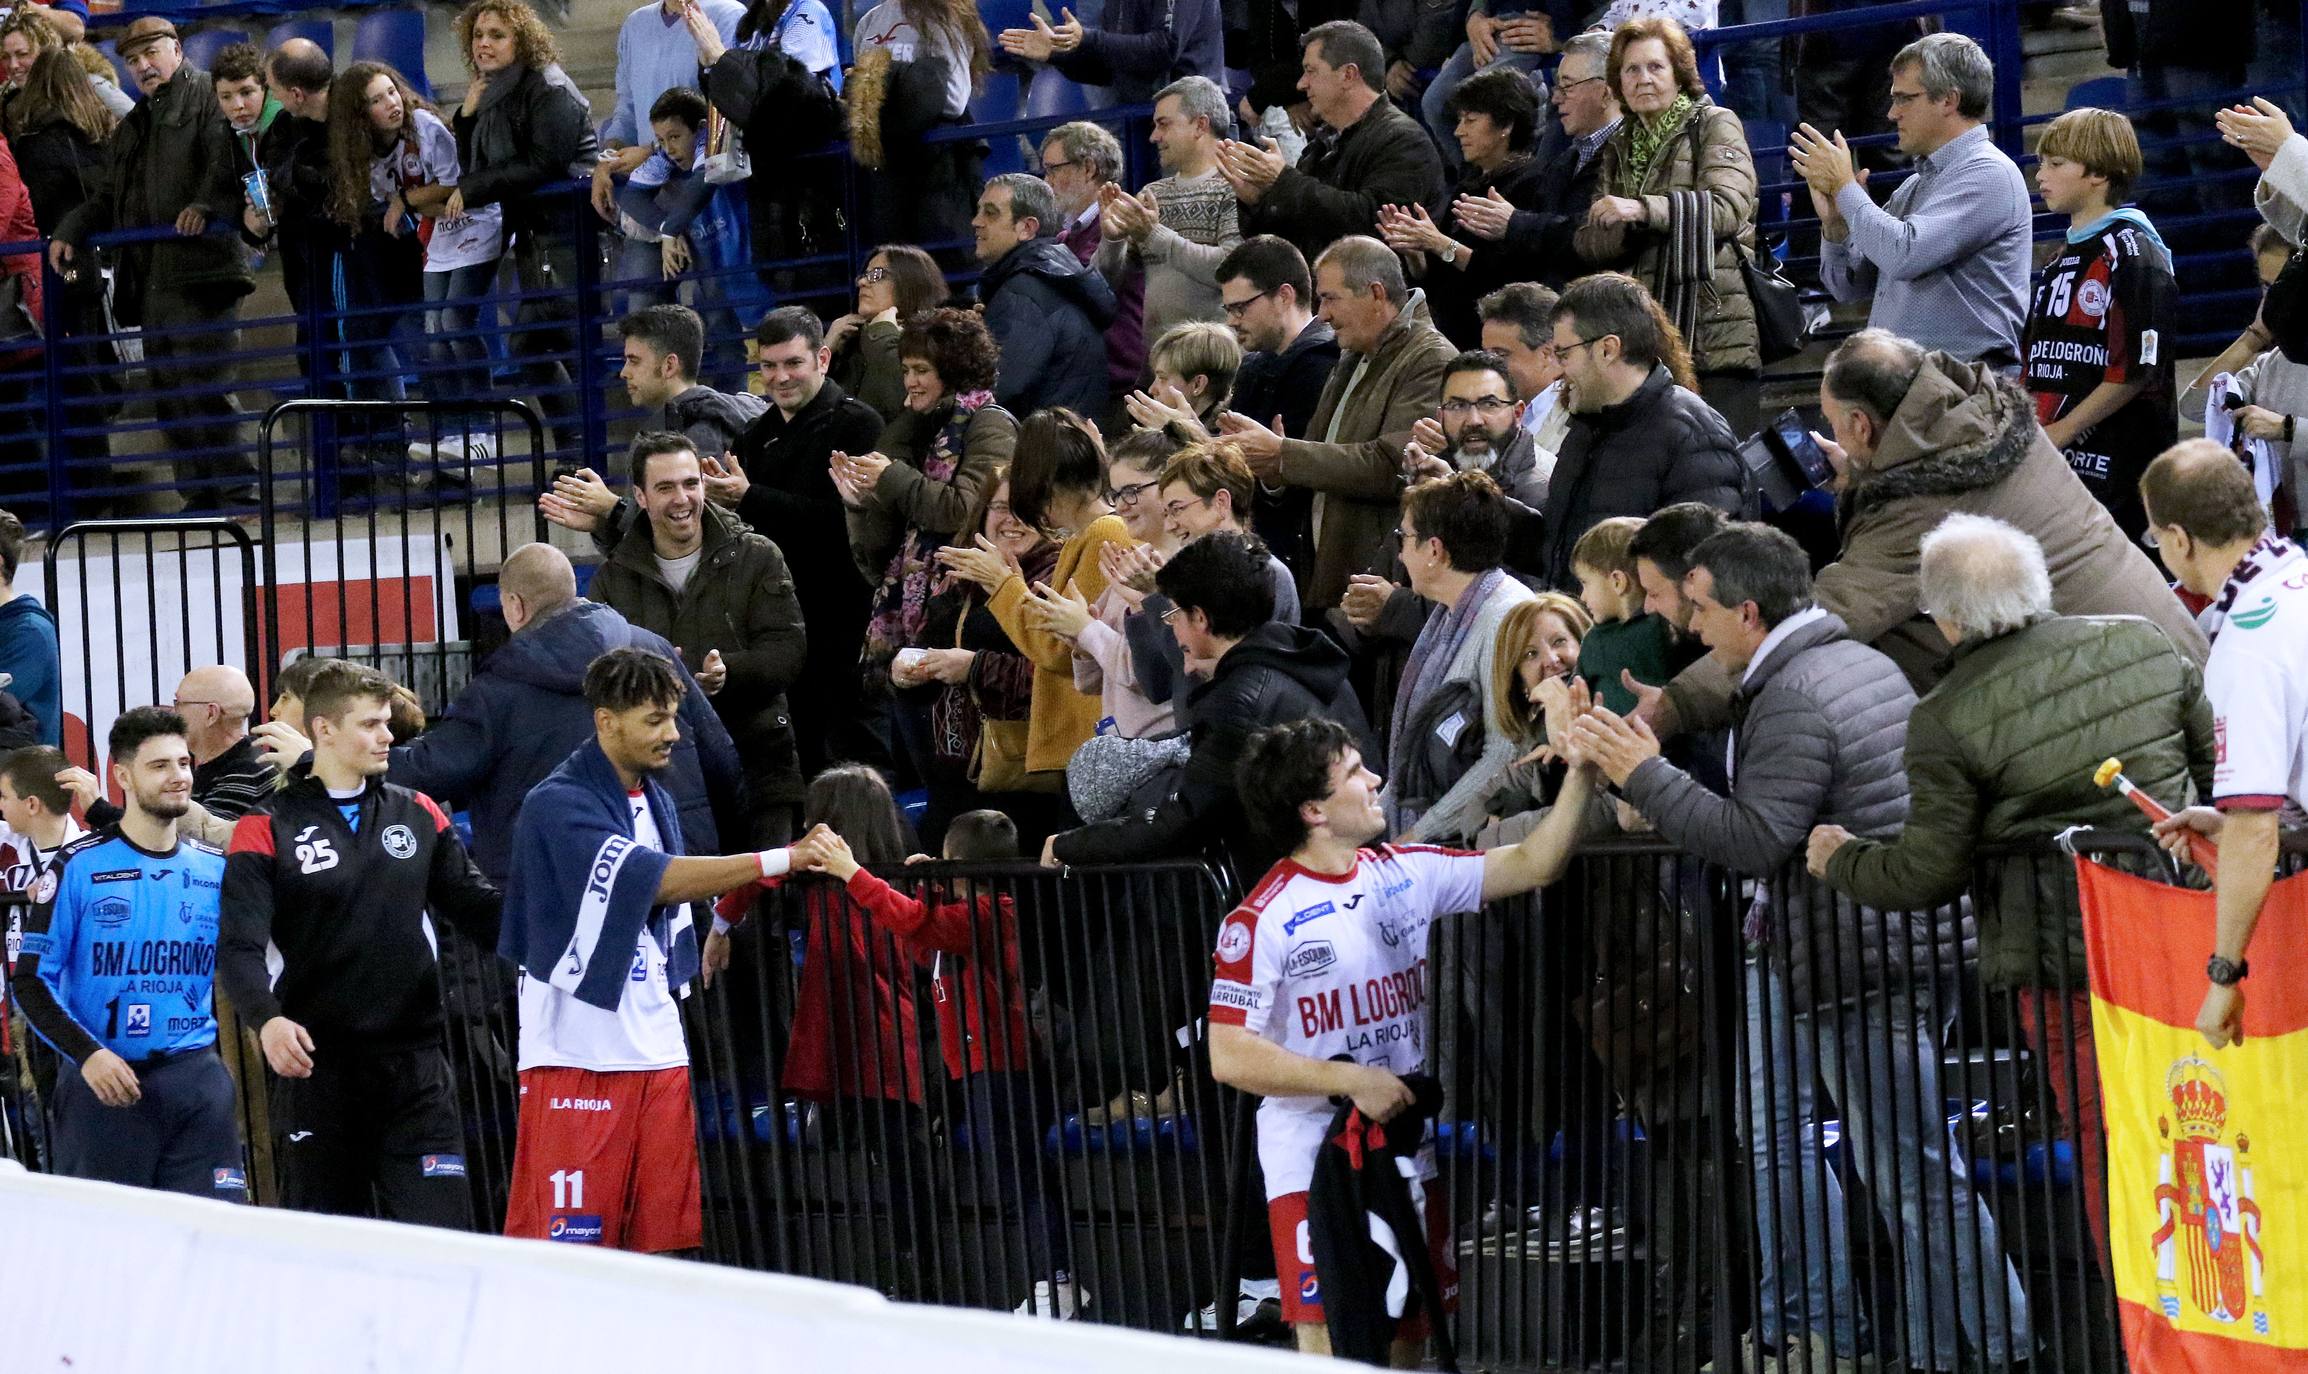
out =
column 1267, row 295
column 1638, row 440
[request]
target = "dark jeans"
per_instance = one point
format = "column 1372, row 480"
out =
column 1007, row 1117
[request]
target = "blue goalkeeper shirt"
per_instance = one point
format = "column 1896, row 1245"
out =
column 120, row 948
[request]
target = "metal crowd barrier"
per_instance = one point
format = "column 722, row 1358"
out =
column 1658, row 1138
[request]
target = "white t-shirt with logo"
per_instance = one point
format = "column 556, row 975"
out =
column 2257, row 680
column 644, row 1033
column 1328, row 965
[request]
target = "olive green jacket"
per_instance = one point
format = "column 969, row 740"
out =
column 2002, row 752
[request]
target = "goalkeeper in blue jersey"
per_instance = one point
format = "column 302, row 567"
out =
column 119, row 957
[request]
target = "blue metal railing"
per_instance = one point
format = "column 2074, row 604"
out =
column 64, row 405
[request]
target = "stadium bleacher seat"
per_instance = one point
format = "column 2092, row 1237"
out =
column 1051, row 94
column 201, row 48
column 397, row 39
column 2101, row 92
column 320, row 31
column 1002, row 99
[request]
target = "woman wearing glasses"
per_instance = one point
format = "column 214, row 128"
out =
column 899, row 281
column 1444, row 751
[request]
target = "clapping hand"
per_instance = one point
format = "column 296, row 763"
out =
column 1130, row 570
column 1427, row 432
column 579, row 501
column 1365, row 599
column 855, row 477
column 1127, row 216
column 1824, row 162
column 2260, row 129
column 982, row 562
column 1260, row 446
column 1250, row 169
column 1065, row 614
column 725, row 480
column 1043, row 41
column 1165, row 405
column 712, row 674
column 1412, row 230
column 1485, row 216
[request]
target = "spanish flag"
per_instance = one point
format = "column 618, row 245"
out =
column 2207, row 1149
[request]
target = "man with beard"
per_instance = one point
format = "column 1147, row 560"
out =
column 334, row 879
column 1479, row 430
column 597, row 916
column 119, row 953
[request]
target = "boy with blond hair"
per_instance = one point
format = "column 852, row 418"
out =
column 1626, row 638
column 2093, row 351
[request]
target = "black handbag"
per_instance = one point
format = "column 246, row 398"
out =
column 1780, row 329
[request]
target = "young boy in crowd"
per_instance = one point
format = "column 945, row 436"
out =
column 676, row 221
column 969, row 938
column 2093, row 348
column 1625, row 637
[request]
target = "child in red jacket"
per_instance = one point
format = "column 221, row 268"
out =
column 969, row 938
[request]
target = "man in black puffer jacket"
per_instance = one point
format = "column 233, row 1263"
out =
column 1260, row 673
column 1047, row 311
column 1638, row 441
column 1839, row 994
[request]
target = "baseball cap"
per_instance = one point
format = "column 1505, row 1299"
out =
column 147, row 30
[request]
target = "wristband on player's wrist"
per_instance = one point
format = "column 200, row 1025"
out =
column 775, row 863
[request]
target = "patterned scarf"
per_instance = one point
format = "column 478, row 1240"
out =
column 1431, row 656
column 898, row 606
column 1645, row 139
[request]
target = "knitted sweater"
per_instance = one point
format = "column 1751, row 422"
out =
column 1200, row 224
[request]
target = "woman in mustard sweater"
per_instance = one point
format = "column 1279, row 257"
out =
column 1057, row 485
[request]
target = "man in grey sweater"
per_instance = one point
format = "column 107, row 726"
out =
column 1179, row 228
column 1836, row 993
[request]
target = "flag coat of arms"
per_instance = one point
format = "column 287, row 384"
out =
column 2207, row 1149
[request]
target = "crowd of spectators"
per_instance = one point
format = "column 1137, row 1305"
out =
column 1398, row 489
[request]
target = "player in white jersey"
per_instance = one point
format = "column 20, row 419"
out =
column 1328, row 958
column 2207, row 521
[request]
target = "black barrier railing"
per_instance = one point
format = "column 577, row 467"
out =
column 406, row 507
column 139, row 603
column 1685, row 1110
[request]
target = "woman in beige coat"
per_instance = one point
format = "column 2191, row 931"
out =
column 1677, row 154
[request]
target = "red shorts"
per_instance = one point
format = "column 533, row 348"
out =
column 606, row 1159
column 1302, row 1291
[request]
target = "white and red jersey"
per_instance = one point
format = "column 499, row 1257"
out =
column 644, row 1033
column 1328, row 966
column 2257, row 680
